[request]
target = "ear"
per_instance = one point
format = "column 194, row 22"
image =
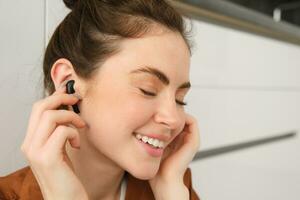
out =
column 61, row 71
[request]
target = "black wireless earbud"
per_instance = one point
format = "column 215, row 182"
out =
column 70, row 90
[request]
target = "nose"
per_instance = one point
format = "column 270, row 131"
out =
column 169, row 114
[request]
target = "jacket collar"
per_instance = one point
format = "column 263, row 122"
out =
column 136, row 189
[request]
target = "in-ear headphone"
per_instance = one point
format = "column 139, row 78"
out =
column 70, row 90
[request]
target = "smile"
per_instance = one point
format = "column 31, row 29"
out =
column 148, row 140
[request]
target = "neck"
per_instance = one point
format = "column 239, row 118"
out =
column 100, row 176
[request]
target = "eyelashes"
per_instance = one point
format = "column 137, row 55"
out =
column 153, row 94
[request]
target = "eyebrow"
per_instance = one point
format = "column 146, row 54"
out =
column 160, row 75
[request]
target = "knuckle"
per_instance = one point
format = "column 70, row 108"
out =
column 61, row 96
column 66, row 132
column 36, row 105
column 66, row 112
column 72, row 132
column 73, row 116
column 61, row 129
column 48, row 115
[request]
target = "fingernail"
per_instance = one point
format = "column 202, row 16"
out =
column 86, row 125
column 83, row 123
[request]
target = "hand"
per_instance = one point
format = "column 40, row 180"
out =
column 44, row 146
column 177, row 156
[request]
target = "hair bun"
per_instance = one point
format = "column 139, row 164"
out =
column 70, row 3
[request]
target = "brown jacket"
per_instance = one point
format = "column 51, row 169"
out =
column 22, row 185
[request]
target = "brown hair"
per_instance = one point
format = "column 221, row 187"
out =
column 91, row 32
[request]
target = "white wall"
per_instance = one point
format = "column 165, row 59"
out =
column 244, row 87
column 21, row 51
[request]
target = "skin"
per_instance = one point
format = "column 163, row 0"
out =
column 112, row 108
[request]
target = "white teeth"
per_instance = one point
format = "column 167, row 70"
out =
column 156, row 142
column 152, row 141
column 145, row 139
column 138, row 136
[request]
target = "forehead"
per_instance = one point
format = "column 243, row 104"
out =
column 166, row 51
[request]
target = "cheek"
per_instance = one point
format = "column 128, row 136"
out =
column 135, row 111
column 118, row 111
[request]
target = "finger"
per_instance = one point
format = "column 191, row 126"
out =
column 56, row 143
column 192, row 132
column 185, row 153
column 49, row 122
column 191, row 139
column 60, row 90
column 173, row 145
column 51, row 102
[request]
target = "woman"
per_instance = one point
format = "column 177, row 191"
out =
column 132, row 139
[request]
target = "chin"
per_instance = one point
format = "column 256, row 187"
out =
column 143, row 172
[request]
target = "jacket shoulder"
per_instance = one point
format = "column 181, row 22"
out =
column 11, row 184
column 187, row 179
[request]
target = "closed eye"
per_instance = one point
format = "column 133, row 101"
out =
column 153, row 94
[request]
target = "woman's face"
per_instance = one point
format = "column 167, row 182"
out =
column 116, row 108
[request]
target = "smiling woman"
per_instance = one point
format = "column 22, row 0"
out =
column 132, row 138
